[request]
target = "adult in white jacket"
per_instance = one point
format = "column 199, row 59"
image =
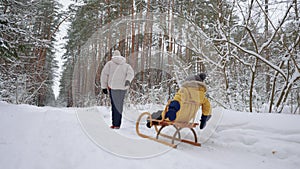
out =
column 116, row 77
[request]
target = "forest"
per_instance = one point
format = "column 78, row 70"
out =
column 249, row 49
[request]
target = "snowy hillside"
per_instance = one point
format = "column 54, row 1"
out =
column 74, row 138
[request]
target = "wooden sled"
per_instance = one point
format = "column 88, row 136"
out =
column 189, row 108
column 161, row 124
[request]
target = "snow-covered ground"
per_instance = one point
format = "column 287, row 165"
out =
column 79, row 138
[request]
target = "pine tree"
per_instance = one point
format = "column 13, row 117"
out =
column 27, row 52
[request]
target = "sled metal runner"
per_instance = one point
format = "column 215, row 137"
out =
column 159, row 125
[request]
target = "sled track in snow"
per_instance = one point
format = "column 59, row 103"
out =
column 98, row 131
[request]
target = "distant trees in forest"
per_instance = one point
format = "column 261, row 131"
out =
column 27, row 62
column 254, row 61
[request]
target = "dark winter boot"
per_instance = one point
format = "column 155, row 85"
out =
column 156, row 116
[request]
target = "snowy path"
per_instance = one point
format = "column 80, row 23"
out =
column 98, row 131
column 53, row 138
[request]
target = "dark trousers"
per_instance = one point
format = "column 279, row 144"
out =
column 117, row 101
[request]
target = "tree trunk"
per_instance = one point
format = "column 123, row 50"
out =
column 267, row 52
column 252, row 86
column 133, row 53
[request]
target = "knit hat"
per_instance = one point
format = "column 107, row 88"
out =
column 200, row 77
column 116, row 53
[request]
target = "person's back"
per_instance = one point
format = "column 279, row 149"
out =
column 116, row 72
column 190, row 97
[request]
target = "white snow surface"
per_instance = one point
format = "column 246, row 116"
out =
column 80, row 138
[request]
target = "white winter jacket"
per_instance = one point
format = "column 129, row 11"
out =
column 115, row 73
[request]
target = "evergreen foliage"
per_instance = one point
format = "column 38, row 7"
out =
column 27, row 53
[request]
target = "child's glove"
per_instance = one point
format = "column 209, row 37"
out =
column 203, row 121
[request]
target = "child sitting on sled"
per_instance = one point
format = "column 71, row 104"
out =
column 194, row 88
